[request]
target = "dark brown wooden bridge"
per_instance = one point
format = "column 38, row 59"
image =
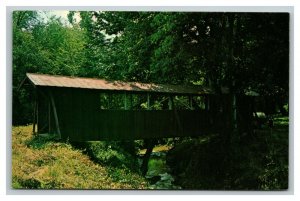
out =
column 85, row 109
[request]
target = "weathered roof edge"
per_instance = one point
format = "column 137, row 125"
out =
column 102, row 84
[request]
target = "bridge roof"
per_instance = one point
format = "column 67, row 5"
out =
column 107, row 85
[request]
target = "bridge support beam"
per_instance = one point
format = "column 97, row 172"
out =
column 150, row 145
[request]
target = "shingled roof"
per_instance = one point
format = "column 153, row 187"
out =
column 101, row 84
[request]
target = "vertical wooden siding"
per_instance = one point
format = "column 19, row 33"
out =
column 81, row 119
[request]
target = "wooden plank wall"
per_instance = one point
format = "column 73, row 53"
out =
column 81, row 119
column 126, row 125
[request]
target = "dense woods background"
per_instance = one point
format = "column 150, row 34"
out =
column 248, row 53
column 242, row 51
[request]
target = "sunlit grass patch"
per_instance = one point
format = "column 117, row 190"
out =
column 158, row 148
column 281, row 121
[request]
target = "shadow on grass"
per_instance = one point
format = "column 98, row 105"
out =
column 40, row 141
column 121, row 165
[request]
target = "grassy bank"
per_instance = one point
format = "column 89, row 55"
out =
column 43, row 163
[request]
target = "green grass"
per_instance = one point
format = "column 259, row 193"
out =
column 281, row 121
column 43, row 163
column 158, row 148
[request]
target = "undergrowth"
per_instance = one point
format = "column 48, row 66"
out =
column 44, row 163
column 119, row 158
column 251, row 162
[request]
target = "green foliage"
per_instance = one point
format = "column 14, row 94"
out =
column 119, row 157
column 275, row 173
column 187, row 48
column 276, row 169
column 156, row 166
column 25, row 19
column 286, row 107
column 114, row 154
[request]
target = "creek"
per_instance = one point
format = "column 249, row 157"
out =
column 158, row 173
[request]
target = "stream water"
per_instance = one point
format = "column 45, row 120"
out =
column 159, row 173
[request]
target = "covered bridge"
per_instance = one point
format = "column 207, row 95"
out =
column 87, row 109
